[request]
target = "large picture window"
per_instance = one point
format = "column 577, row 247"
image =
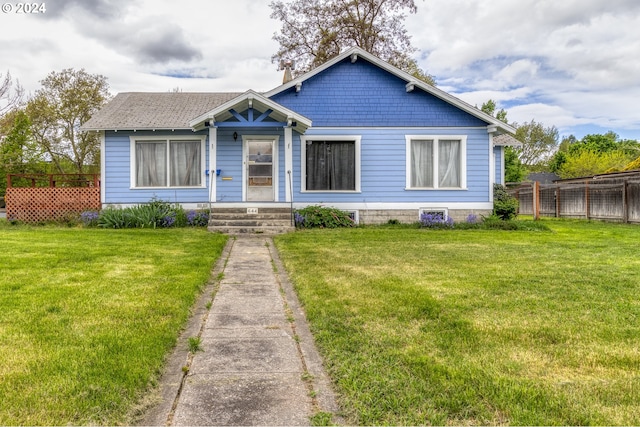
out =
column 167, row 162
column 436, row 162
column 331, row 163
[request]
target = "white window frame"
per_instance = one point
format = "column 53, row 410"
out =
column 436, row 139
column 303, row 160
column 167, row 140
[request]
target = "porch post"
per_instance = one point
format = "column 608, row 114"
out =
column 213, row 149
column 288, row 162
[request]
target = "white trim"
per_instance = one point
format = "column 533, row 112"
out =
column 167, row 139
column 303, row 160
column 252, row 99
column 365, row 206
column 275, row 140
column 288, row 162
column 492, row 167
column 103, row 166
column 213, row 159
column 437, row 129
column 435, row 139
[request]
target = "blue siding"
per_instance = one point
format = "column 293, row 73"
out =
column 361, row 94
column 230, row 162
column 346, row 99
column 118, row 174
column 383, row 168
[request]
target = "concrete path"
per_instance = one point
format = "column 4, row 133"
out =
column 258, row 364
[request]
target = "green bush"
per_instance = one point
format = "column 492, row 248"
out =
column 505, row 206
column 322, row 217
column 155, row 214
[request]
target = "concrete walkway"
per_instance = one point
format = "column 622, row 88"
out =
column 258, row 364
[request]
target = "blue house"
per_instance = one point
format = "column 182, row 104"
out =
column 355, row 133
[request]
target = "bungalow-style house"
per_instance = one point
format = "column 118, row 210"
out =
column 355, row 133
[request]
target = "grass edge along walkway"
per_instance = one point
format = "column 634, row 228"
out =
column 87, row 317
column 475, row 327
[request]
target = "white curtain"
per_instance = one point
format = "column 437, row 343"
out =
column 422, row 163
column 449, row 163
column 151, row 164
column 186, row 168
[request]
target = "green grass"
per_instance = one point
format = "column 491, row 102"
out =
column 87, row 317
column 476, row 326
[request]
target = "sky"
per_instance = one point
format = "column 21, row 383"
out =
column 572, row 64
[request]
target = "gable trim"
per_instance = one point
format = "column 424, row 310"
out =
column 411, row 85
column 251, row 100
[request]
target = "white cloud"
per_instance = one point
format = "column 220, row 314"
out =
column 563, row 63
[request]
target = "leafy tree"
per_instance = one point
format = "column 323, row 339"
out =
column 514, row 170
column 66, row 100
column 18, row 153
column 538, row 142
column 588, row 163
column 314, row 31
column 594, row 154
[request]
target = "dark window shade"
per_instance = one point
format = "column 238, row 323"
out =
column 331, row 165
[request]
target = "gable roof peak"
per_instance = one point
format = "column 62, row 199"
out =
column 355, row 53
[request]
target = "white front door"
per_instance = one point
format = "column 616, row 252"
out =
column 259, row 170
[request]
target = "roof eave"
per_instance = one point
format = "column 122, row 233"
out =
column 302, row 123
column 356, row 52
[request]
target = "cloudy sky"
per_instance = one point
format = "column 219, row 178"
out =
column 573, row 64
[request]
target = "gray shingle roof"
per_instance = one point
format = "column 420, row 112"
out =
column 506, row 140
column 146, row 110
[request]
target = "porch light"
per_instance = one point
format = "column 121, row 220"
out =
column 235, row 136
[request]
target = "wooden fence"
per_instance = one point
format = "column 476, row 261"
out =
column 46, row 197
column 615, row 200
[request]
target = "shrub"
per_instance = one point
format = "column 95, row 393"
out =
column 197, row 218
column 156, row 213
column 505, row 206
column 435, row 220
column 90, row 218
column 322, row 217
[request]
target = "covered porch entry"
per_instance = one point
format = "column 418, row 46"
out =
column 251, row 162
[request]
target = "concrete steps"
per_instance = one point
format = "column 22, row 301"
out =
column 252, row 220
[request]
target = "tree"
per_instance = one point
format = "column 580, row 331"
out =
column 10, row 96
column 314, row 31
column 538, row 142
column 66, row 100
column 18, row 152
column 514, row 170
column 588, row 163
column 594, row 154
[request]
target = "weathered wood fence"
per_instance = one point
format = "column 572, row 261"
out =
column 46, row 197
column 615, row 200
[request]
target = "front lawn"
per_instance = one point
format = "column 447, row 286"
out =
column 476, row 326
column 88, row 315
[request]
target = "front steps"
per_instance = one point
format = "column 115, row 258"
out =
column 251, row 220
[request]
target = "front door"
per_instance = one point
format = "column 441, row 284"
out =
column 259, row 170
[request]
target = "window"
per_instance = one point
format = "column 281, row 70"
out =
column 172, row 162
column 436, row 162
column 331, row 163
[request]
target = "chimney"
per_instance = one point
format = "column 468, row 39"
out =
column 287, row 65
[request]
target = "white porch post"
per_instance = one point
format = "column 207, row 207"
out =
column 288, row 162
column 213, row 149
